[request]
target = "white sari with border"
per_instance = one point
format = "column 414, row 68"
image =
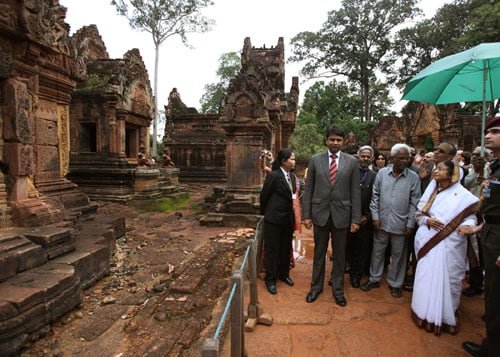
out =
column 438, row 278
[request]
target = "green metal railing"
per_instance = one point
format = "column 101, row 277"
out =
column 234, row 303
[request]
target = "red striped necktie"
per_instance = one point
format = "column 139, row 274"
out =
column 333, row 168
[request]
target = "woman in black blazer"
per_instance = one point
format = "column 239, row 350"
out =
column 277, row 207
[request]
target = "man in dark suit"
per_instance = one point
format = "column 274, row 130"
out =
column 358, row 251
column 276, row 205
column 332, row 202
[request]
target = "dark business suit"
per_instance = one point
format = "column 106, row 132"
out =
column 332, row 208
column 359, row 244
column 277, row 207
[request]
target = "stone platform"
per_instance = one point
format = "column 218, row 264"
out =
column 44, row 270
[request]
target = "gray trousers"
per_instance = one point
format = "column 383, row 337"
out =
column 397, row 268
column 321, row 238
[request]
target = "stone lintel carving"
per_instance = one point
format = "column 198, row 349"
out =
column 43, row 22
column 17, row 111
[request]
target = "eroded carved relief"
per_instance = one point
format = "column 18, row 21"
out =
column 6, row 58
column 17, row 111
column 63, row 136
column 43, row 21
column 8, row 17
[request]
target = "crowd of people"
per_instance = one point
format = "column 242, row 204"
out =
column 427, row 218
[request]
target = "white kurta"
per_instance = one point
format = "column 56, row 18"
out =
column 438, row 278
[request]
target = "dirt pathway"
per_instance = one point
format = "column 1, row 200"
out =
column 372, row 324
column 169, row 281
column 167, row 277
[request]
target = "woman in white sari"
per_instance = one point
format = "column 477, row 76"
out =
column 445, row 212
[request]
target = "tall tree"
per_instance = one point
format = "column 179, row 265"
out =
column 326, row 104
column 455, row 27
column 229, row 66
column 164, row 19
column 354, row 43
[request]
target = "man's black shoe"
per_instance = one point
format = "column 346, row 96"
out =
column 355, row 281
column 473, row 348
column 370, row 285
column 471, row 291
column 312, row 296
column 287, row 281
column 340, row 300
column 272, row 289
column 396, row 292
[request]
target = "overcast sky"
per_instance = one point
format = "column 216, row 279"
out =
column 264, row 21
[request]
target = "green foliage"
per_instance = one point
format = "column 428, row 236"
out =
column 94, row 81
column 429, row 144
column 354, row 43
column 307, row 140
column 169, row 204
column 358, row 127
column 327, row 101
column 455, row 27
column 484, row 24
column 229, row 67
column 324, row 105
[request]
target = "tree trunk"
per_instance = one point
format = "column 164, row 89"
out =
column 154, row 149
column 365, row 90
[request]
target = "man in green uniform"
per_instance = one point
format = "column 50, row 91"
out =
column 490, row 242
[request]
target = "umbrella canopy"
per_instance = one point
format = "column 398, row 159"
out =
column 469, row 76
column 461, row 77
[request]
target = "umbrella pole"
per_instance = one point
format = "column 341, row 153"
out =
column 483, row 117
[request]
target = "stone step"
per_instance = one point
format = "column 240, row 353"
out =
column 18, row 254
column 55, row 240
column 33, row 299
column 34, row 212
column 114, row 221
column 90, row 261
column 210, row 220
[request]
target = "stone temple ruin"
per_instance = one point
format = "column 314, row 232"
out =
column 256, row 114
column 68, row 114
column 74, row 126
column 110, row 115
column 420, row 121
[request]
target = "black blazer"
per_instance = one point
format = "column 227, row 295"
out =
column 276, row 198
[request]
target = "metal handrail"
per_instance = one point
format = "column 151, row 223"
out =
column 224, row 314
column 211, row 345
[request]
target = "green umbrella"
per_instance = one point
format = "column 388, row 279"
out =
column 469, row 76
